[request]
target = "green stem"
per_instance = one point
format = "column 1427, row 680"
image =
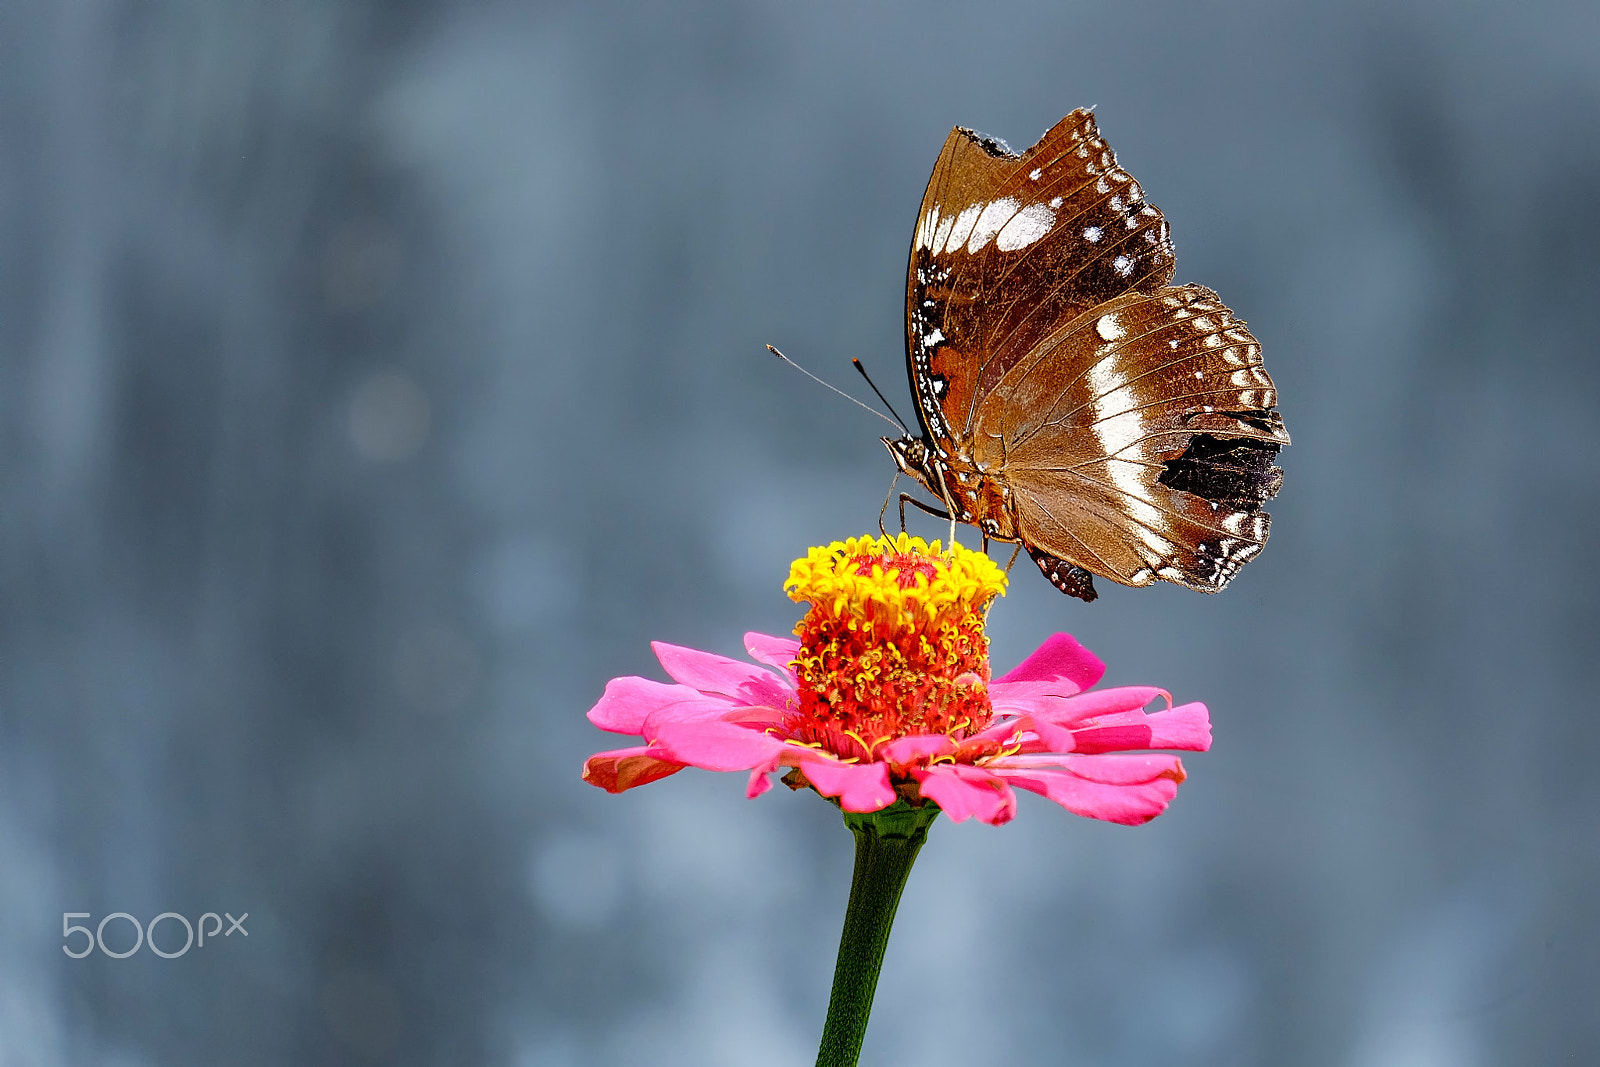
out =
column 887, row 842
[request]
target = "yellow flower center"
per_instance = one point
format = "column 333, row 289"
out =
column 893, row 643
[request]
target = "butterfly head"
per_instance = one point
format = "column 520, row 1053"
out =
column 915, row 459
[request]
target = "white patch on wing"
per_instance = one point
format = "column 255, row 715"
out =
column 960, row 230
column 990, row 219
column 1091, row 234
column 935, row 335
column 1034, row 173
column 1123, row 265
column 1108, row 328
column 926, row 228
column 1025, row 227
column 1116, row 429
column 943, row 232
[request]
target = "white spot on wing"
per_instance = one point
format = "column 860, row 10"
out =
column 960, row 230
column 1025, row 227
column 1108, row 328
column 1122, row 265
column 926, row 229
column 1034, row 173
column 990, row 219
column 1091, row 234
column 1056, row 201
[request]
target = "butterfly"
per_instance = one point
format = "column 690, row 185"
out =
column 1071, row 398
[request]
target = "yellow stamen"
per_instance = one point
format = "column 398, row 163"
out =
column 893, row 643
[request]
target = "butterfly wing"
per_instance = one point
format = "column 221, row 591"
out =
column 1007, row 248
column 1137, row 441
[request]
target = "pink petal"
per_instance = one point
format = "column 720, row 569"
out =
column 1071, row 709
column 1126, row 804
column 625, row 768
column 1024, row 730
column 964, row 792
column 1061, row 656
column 711, row 673
column 1111, row 738
column 758, row 718
column 1021, row 697
column 1187, row 728
column 759, row 780
column 1127, row 768
column 629, row 702
column 912, row 747
column 859, row 786
column 705, row 709
column 714, row 746
column 1036, row 736
column 776, row 652
column 1115, row 768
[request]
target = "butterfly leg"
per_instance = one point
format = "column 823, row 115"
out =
column 907, row 498
column 885, row 509
column 951, row 505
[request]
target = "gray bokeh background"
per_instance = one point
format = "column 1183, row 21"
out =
column 377, row 379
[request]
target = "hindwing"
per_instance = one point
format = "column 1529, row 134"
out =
column 1138, row 440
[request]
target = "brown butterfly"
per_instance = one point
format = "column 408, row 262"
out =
column 1069, row 397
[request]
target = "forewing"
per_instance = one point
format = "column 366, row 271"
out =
column 1009, row 247
column 1138, row 441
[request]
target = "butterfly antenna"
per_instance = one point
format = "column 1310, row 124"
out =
column 836, row 389
column 863, row 372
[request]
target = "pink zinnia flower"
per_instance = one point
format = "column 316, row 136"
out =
column 887, row 695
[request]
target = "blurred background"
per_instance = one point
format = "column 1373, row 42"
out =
column 377, row 379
